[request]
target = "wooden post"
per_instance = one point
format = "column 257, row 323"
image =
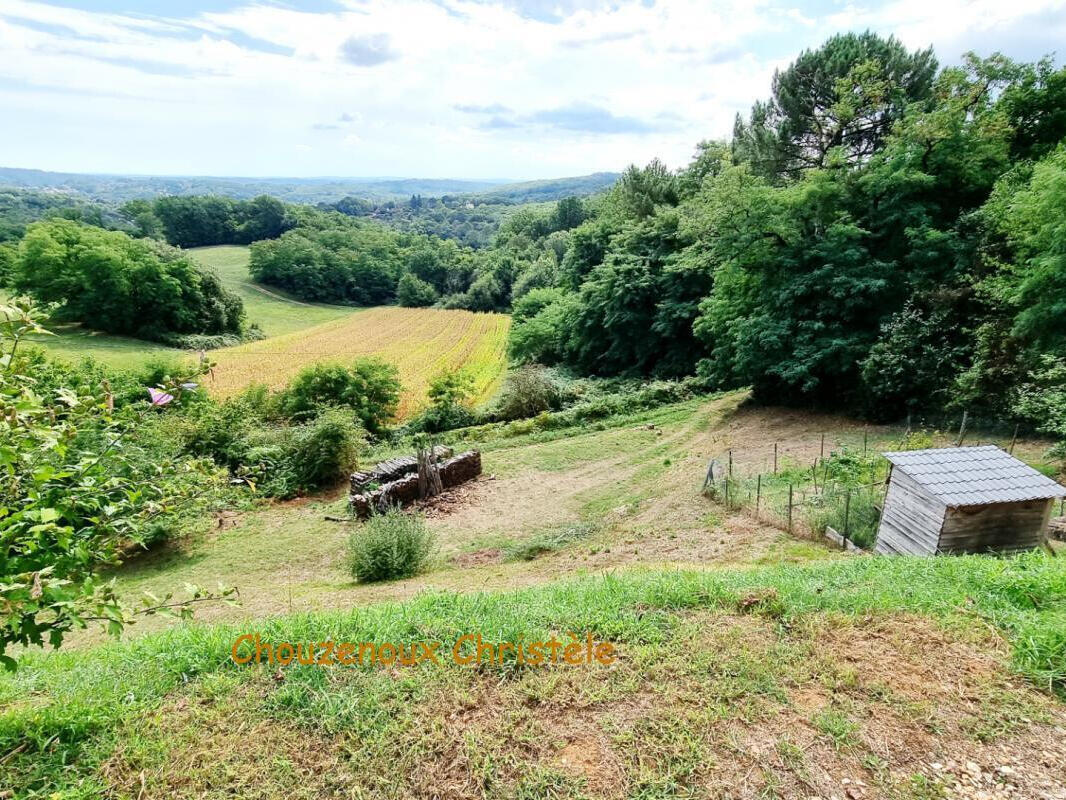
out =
column 730, row 463
column 814, row 476
column 865, row 433
column 1013, row 439
column 821, row 454
column 775, row 458
column 790, row 508
column 962, row 429
column 847, row 515
column 758, row 494
column 727, row 492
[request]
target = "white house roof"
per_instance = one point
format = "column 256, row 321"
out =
column 974, row 476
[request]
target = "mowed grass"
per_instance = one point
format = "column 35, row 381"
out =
column 420, row 342
column 272, row 309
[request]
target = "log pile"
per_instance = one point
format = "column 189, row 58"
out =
column 393, row 469
column 1057, row 529
column 454, row 471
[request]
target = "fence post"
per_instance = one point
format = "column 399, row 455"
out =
column 730, row 462
column 962, row 429
column 865, row 434
column 821, row 454
column 790, row 508
column 726, row 492
column 1013, row 438
column 758, row 494
column 775, row 458
column 847, row 515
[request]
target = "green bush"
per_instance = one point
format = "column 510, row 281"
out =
column 414, row 292
column 389, row 546
column 528, row 391
column 286, row 460
column 370, row 387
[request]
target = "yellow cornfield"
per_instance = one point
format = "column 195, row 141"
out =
column 421, row 342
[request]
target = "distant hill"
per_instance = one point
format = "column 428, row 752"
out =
column 120, row 188
column 555, row 189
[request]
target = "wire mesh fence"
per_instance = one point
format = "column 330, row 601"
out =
column 841, row 492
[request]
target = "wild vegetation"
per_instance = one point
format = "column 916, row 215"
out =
column 879, row 262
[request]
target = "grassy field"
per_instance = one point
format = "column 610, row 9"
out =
column 751, row 664
column 420, row 342
column 274, row 311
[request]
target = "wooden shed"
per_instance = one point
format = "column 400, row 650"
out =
column 964, row 500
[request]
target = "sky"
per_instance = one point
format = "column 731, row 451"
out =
column 478, row 89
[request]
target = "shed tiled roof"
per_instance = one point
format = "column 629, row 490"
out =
column 973, row 476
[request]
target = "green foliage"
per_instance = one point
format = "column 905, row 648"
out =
column 528, row 391
column 449, row 392
column 370, row 387
column 844, row 97
column 297, row 459
column 113, row 283
column 414, row 292
column 197, row 221
column 389, row 546
column 1042, row 399
column 79, row 481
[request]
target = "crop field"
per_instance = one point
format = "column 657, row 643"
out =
column 420, row 342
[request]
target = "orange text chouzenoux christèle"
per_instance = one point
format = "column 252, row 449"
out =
column 469, row 649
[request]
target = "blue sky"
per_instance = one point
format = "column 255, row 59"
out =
column 428, row 88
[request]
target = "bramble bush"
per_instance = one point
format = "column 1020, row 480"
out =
column 79, row 481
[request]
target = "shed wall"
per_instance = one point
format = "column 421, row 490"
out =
column 912, row 519
column 999, row 527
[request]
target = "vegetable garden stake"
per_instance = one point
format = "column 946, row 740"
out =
column 790, row 508
column 758, row 494
column 962, row 429
column 775, row 458
column 847, row 515
column 1013, row 439
column 821, row 455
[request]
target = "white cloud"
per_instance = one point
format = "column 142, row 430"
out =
column 433, row 87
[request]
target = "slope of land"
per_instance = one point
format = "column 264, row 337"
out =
column 749, row 664
column 270, row 308
column 421, row 342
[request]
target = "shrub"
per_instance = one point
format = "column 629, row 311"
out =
column 324, row 452
column 528, row 391
column 414, row 292
column 389, row 546
column 370, row 387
